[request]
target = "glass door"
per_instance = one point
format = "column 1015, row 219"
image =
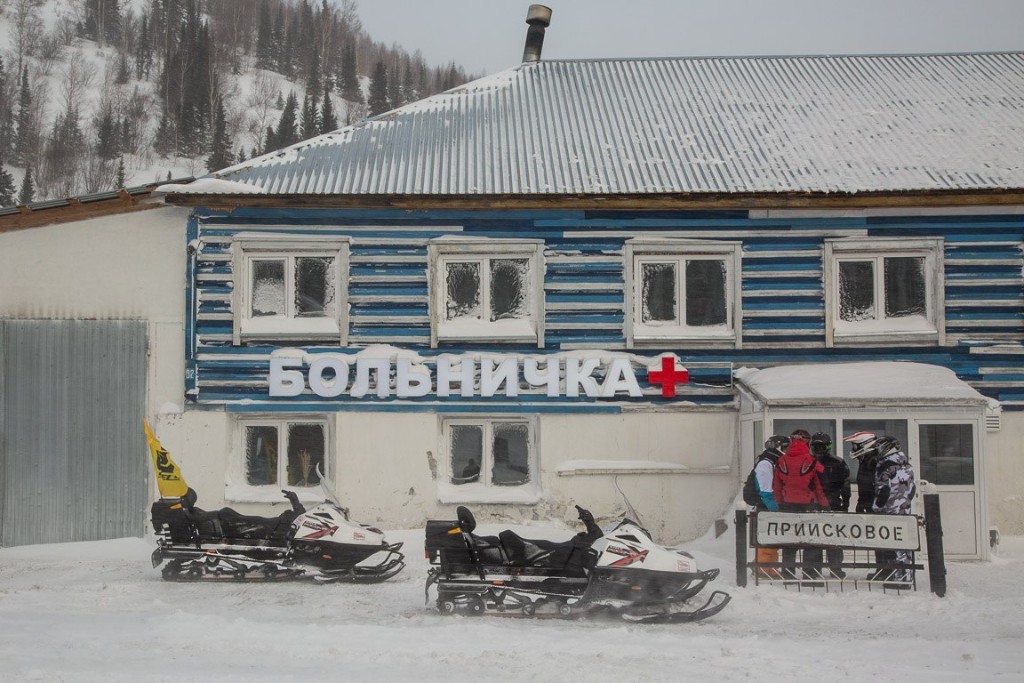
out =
column 947, row 457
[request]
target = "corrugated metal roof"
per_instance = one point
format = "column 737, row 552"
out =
column 843, row 124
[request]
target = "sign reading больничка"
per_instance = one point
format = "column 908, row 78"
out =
column 880, row 532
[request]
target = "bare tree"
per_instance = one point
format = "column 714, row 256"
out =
column 28, row 27
column 50, row 50
column 78, row 79
column 260, row 103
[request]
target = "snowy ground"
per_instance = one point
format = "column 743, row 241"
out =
column 99, row 612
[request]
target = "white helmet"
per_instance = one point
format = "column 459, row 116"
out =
column 862, row 444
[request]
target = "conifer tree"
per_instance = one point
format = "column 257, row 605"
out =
column 394, row 87
column 287, row 130
column 164, row 143
column 63, row 155
column 220, row 146
column 6, row 186
column 314, row 79
column 265, row 39
column 378, row 97
column 328, row 119
column 348, row 79
column 278, row 41
column 143, row 50
column 106, row 136
column 119, row 178
column 123, row 73
column 6, row 115
column 28, row 188
column 28, row 127
column 309, row 126
column 102, row 21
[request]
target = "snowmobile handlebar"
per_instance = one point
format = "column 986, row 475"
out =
column 293, row 498
column 593, row 531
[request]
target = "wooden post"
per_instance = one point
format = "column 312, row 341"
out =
column 933, row 540
column 741, row 548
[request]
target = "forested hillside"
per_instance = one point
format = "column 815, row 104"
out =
column 102, row 94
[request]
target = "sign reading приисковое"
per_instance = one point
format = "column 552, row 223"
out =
column 879, row 532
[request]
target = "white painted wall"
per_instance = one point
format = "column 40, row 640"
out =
column 387, row 465
column 1004, row 474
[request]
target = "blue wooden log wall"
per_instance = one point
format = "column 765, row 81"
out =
column 783, row 306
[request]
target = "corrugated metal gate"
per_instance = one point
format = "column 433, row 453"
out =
column 73, row 461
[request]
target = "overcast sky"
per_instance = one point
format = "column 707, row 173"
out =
column 485, row 36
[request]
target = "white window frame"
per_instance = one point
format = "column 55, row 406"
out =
column 446, row 250
column 638, row 251
column 237, row 486
column 483, row 491
column 248, row 248
column 876, row 332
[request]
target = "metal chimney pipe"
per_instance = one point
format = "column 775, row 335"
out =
column 539, row 18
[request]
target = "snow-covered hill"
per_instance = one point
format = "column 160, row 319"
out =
column 127, row 105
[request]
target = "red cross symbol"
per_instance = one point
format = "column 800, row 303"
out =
column 668, row 377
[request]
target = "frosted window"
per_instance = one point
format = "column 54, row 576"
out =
column 268, row 288
column 511, row 454
column 658, row 292
column 462, row 282
column 705, row 293
column 261, row 455
column 508, row 288
column 305, row 453
column 467, row 445
column 856, row 290
column 905, row 288
column 314, row 287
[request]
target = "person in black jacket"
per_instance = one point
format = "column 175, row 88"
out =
column 863, row 449
column 835, row 480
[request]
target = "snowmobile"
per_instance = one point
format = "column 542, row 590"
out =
column 320, row 543
column 618, row 569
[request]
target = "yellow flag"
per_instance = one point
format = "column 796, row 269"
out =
column 168, row 475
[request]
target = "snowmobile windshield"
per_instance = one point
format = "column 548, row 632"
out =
column 625, row 521
column 326, row 488
column 613, row 525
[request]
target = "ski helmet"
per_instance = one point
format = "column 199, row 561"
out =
column 777, row 444
column 821, row 444
column 886, row 445
column 862, row 444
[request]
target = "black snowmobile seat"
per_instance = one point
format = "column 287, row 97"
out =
column 228, row 523
column 523, row 551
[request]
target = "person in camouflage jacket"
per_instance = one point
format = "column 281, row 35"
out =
column 894, row 490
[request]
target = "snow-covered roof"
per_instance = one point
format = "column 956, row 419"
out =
column 818, row 124
column 872, row 383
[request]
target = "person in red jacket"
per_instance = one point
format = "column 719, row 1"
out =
column 797, row 489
